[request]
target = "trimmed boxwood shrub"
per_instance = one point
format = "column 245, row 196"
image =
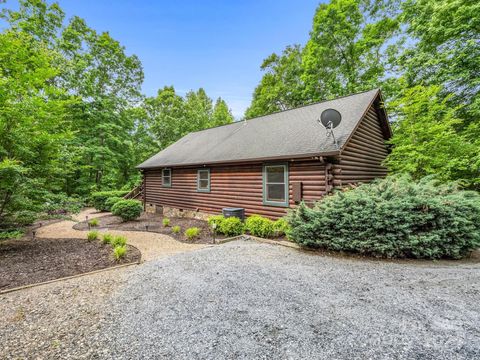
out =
column 260, row 226
column 393, row 217
column 112, row 201
column 127, row 209
column 99, row 198
column 231, row 226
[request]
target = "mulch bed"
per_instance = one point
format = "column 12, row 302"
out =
column 24, row 262
column 155, row 224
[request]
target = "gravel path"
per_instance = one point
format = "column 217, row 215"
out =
column 245, row 300
column 151, row 245
column 53, row 321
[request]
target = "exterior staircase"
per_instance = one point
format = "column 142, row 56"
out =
column 136, row 193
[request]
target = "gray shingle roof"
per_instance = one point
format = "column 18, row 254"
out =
column 289, row 133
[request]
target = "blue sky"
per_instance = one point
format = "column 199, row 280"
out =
column 217, row 45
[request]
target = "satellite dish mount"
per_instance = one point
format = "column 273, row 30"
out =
column 330, row 119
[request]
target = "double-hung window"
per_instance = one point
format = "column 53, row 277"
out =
column 275, row 184
column 167, row 177
column 203, row 180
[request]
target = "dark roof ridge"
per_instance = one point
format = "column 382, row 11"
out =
column 282, row 111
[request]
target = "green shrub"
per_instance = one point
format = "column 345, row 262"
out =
column 259, row 226
column 119, row 252
column 393, row 217
column 217, row 219
column 176, row 229
column 192, row 233
column 118, row 241
column 93, row 222
column 280, row 227
column 166, row 222
column 107, row 238
column 231, row 226
column 112, row 201
column 61, row 204
column 99, row 199
column 92, row 235
column 127, row 209
column 11, row 234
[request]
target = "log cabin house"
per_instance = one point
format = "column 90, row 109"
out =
column 271, row 163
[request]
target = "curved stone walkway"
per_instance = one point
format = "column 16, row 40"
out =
column 151, row 245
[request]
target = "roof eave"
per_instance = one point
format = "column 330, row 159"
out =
column 236, row 161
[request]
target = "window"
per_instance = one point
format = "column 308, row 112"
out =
column 166, row 177
column 275, row 185
column 203, row 180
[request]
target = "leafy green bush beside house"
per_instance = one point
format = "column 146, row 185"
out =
column 112, row 201
column 127, row 209
column 260, row 226
column 99, row 198
column 393, row 217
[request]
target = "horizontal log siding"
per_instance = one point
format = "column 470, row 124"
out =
column 361, row 160
column 231, row 186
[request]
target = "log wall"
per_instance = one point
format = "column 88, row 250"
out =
column 232, row 186
column 361, row 160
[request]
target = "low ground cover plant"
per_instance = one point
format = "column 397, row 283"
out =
column 127, row 209
column 93, row 222
column 260, row 226
column 393, row 217
column 119, row 252
column 166, row 222
column 107, row 238
column 99, row 198
column 92, row 235
column 11, row 234
column 231, row 226
column 192, row 233
column 176, row 229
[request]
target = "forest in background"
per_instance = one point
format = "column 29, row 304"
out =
column 73, row 119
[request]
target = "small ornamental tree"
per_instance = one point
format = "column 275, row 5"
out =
column 127, row 209
column 393, row 217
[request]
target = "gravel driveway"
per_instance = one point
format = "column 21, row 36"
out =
column 250, row 300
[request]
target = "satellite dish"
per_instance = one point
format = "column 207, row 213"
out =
column 330, row 118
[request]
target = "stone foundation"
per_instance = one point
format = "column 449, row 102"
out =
column 175, row 212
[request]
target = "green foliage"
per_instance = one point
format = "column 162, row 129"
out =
column 346, row 53
column 260, row 226
column 176, row 229
column 112, row 201
column 107, row 238
column 92, row 235
column 100, row 198
column 215, row 219
column 426, row 142
column 11, row 234
column 118, row 241
column 93, row 222
column 127, row 209
column 61, row 204
column 393, row 217
column 281, row 227
column 166, row 222
column 192, row 233
column 231, row 226
column 119, row 252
